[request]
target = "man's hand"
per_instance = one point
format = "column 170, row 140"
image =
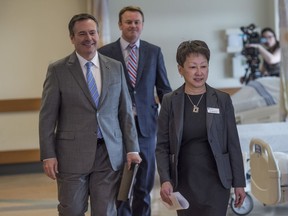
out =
column 239, row 196
column 133, row 158
column 50, row 167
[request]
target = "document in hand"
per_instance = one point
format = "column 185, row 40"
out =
column 178, row 202
column 127, row 182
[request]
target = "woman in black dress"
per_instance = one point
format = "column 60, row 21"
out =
column 198, row 151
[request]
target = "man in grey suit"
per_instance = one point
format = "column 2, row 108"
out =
column 150, row 74
column 82, row 140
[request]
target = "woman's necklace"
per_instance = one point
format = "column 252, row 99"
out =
column 195, row 107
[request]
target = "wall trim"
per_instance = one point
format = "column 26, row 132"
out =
column 19, row 105
column 33, row 104
column 19, row 156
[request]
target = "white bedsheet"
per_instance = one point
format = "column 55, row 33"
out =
column 247, row 98
column 282, row 161
column 275, row 134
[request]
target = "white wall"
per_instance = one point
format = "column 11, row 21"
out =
column 169, row 22
column 33, row 33
column 19, row 131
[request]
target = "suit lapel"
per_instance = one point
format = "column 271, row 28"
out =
column 141, row 61
column 76, row 71
column 105, row 78
column 178, row 112
column 117, row 54
column 211, row 101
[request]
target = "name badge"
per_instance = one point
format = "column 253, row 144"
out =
column 213, row 110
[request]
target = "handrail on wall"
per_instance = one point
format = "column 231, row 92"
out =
column 33, row 104
column 19, row 105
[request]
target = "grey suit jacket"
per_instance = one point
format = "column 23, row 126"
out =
column 222, row 136
column 69, row 119
column 151, row 74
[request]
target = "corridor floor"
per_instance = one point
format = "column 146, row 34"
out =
column 35, row 195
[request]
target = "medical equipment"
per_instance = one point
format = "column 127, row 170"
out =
column 248, row 203
column 258, row 102
column 269, row 173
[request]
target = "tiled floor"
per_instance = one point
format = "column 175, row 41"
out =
column 35, row 195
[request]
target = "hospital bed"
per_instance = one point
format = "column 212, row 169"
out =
column 258, row 101
column 259, row 115
column 269, row 173
column 248, row 203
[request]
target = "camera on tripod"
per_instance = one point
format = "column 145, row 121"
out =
column 251, row 36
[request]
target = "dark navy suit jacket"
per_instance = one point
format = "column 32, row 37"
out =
column 151, row 72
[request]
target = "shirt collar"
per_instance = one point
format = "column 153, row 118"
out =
column 83, row 61
column 125, row 44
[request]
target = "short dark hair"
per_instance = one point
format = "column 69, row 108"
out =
column 130, row 8
column 188, row 47
column 267, row 29
column 80, row 17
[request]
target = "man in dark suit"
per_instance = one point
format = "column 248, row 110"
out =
column 82, row 137
column 151, row 74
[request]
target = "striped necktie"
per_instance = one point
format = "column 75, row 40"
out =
column 93, row 90
column 132, row 64
column 91, row 83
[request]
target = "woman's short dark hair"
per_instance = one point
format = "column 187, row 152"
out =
column 80, row 17
column 188, row 47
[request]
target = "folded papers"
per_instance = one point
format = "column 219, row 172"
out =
column 178, row 202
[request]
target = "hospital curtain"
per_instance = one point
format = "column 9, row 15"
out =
column 283, row 28
column 99, row 9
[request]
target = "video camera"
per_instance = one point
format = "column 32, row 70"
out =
column 251, row 36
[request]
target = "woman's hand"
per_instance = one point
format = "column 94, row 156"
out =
column 239, row 196
column 165, row 192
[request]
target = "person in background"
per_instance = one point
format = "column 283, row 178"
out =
column 85, row 127
column 270, row 53
column 198, row 151
column 144, row 71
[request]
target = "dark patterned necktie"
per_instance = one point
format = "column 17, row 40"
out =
column 132, row 64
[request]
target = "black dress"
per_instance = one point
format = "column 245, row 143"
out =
column 198, row 179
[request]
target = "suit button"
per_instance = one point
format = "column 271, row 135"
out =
column 134, row 92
